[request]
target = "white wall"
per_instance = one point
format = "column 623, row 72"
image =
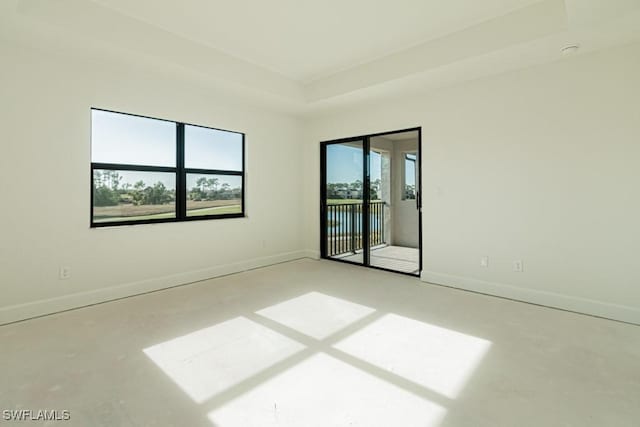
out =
column 385, row 148
column 539, row 165
column 405, row 213
column 44, row 193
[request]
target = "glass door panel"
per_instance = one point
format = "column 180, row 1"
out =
column 343, row 204
column 379, row 170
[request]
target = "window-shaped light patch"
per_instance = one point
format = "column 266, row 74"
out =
column 211, row 360
column 323, row 391
column 209, row 194
column 207, row 148
column 316, row 314
column 132, row 140
column 437, row 358
column 132, row 195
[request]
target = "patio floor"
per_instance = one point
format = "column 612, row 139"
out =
column 397, row 258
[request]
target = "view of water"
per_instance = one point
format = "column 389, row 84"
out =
column 340, row 221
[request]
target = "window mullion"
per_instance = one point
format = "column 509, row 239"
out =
column 213, row 172
column 181, row 176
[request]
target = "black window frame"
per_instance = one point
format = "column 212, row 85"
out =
column 180, row 172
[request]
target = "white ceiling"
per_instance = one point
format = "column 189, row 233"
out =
column 306, row 40
column 306, row 55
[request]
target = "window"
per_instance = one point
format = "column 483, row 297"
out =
column 146, row 170
column 409, row 190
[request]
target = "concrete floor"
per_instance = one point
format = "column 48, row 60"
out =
column 320, row 343
column 397, row 258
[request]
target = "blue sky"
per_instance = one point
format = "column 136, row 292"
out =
column 212, row 149
column 121, row 138
column 344, row 163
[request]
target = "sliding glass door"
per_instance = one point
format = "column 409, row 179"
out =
column 370, row 208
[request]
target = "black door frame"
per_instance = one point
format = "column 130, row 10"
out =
column 366, row 146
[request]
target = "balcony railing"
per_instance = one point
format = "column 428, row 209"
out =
column 345, row 228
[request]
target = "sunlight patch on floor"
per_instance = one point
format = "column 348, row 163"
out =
column 323, row 391
column 329, row 387
column 315, row 314
column 208, row 361
column 437, row 358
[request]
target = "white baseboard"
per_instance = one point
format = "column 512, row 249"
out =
column 565, row 302
column 29, row 310
column 311, row 253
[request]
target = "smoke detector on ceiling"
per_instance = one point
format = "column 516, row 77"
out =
column 568, row 50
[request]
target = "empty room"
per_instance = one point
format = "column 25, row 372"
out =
column 320, row 213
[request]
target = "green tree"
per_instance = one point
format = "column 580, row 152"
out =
column 213, row 184
column 195, row 194
column 137, row 195
column 104, row 196
column 203, row 184
column 156, row 195
column 105, row 188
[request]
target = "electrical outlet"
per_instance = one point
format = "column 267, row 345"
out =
column 64, row 273
column 517, row 266
column 484, row 261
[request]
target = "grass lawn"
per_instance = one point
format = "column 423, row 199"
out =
column 217, row 210
column 135, row 218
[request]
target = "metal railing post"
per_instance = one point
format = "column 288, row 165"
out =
column 353, row 227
